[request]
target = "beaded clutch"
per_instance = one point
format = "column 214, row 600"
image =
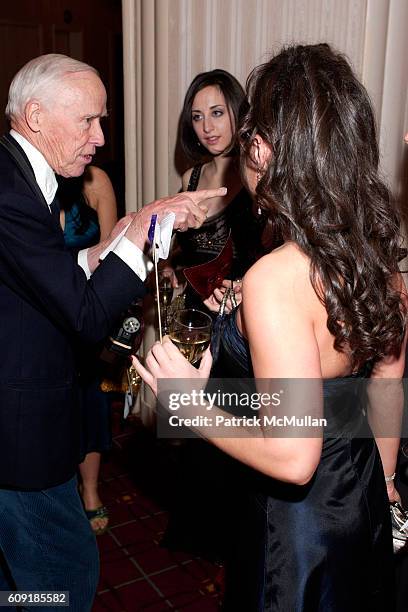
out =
column 399, row 521
column 206, row 277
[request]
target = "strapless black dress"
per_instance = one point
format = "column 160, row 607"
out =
column 322, row 547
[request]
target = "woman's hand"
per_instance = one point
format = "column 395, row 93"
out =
column 214, row 301
column 165, row 361
column 393, row 495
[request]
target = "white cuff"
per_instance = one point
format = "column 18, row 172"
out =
column 133, row 257
column 83, row 262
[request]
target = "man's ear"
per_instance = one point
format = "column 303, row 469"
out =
column 32, row 114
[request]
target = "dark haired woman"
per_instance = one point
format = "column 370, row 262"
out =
column 322, row 312
column 208, row 138
column 88, row 215
column 207, row 132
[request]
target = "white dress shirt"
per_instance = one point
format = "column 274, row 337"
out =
column 45, row 177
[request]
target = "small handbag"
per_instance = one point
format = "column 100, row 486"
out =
column 206, row 277
column 399, row 522
column 219, row 322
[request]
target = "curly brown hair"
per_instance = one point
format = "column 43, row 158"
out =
column 324, row 192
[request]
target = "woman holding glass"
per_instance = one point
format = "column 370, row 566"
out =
column 327, row 308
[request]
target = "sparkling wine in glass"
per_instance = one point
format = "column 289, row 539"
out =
column 166, row 296
column 190, row 331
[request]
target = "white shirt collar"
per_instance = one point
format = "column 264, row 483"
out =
column 44, row 175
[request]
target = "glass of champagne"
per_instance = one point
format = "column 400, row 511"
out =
column 190, row 330
column 166, row 295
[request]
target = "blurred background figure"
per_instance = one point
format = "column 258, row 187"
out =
column 88, row 215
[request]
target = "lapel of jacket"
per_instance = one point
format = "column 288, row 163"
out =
column 21, row 160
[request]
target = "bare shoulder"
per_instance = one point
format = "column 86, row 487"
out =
column 284, row 269
column 96, row 178
column 98, row 188
column 278, row 315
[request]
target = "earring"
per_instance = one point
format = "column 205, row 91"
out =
column 258, row 178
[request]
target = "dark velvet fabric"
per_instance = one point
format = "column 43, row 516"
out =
column 322, row 547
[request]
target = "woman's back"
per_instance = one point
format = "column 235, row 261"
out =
column 279, row 296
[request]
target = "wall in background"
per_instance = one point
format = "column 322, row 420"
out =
column 90, row 31
column 167, row 42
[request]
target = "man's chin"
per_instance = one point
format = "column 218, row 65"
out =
column 78, row 170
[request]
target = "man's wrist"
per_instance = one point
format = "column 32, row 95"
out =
column 137, row 231
column 82, row 259
column 133, row 256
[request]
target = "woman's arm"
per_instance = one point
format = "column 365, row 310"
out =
column 283, row 346
column 385, row 408
column 100, row 196
column 278, row 304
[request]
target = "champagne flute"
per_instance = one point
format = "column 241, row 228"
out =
column 166, row 295
column 190, row 330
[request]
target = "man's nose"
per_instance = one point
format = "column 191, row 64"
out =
column 97, row 137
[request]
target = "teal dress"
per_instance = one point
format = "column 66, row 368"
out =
column 81, row 226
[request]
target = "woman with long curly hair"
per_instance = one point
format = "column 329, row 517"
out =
column 323, row 320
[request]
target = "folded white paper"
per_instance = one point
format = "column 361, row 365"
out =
column 162, row 235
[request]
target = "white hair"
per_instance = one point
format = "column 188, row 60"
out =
column 39, row 79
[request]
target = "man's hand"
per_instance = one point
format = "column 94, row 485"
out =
column 189, row 207
column 96, row 251
column 190, row 210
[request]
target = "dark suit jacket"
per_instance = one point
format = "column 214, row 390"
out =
column 46, row 306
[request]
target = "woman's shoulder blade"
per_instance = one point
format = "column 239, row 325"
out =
column 286, row 261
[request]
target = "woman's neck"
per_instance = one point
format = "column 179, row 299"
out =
column 221, row 172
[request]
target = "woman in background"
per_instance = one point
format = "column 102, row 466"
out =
column 207, row 131
column 323, row 311
column 208, row 138
column 88, row 215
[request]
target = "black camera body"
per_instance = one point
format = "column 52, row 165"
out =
column 127, row 336
column 122, row 340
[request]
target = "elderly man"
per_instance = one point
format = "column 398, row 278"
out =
column 48, row 301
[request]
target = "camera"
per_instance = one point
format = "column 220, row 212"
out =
column 127, row 336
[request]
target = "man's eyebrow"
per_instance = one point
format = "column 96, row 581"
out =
column 95, row 116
